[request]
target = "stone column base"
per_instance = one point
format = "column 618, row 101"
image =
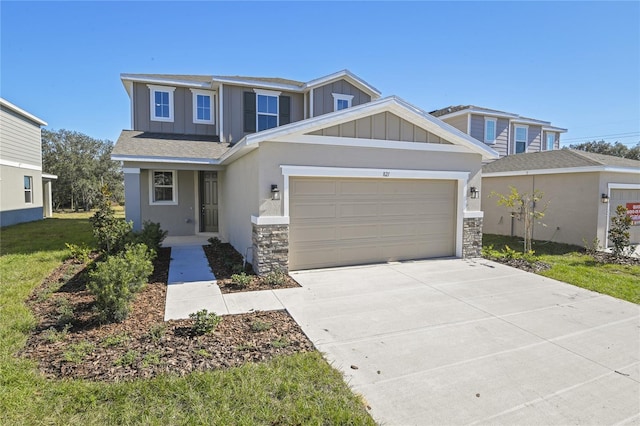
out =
column 270, row 248
column 471, row 237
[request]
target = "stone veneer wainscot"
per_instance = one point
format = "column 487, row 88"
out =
column 471, row 237
column 270, row 248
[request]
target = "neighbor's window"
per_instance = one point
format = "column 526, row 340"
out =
column 161, row 98
column 490, row 130
column 202, row 107
column 163, row 187
column 341, row 101
column 28, row 189
column 267, row 108
column 551, row 141
column 521, row 139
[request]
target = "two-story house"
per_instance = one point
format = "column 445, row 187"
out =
column 299, row 175
column 25, row 191
column 505, row 132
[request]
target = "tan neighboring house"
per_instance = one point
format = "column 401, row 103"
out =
column 299, row 175
column 25, row 191
column 582, row 190
column 505, row 132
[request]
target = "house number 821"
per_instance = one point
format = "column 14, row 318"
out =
column 386, row 174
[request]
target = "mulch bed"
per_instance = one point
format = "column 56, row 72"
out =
column 608, row 258
column 598, row 256
column 143, row 345
column 226, row 261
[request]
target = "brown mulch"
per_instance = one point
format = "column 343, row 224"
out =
column 608, row 258
column 226, row 261
column 143, row 345
column 536, row 266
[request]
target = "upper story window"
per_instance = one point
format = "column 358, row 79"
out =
column 163, row 187
column 267, row 109
column 521, row 138
column 551, row 141
column 28, row 189
column 161, row 102
column 341, row 101
column 202, row 107
column 490, row 130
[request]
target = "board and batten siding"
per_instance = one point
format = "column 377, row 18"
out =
column 21, row 139
column 182, row 113
column 382, row 126
column 323, row 98
column 460, row 122
column 233, row 108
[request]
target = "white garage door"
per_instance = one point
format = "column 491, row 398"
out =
column 625, row 197
column 343, row 221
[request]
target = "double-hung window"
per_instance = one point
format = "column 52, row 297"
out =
column 202, row 107
column 551, row 141
column 163, row 187
column 490, row 131
column 521, row 139
column 28, row 190
column 267, row 110
column 161, row 102
column 341, row 101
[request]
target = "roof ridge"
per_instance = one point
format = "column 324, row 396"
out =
column 585, row 156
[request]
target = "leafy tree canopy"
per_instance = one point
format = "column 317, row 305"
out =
column 83, row 165
column 617, row 149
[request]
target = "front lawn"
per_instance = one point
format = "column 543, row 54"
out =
column 572, row 265
column 296, row 389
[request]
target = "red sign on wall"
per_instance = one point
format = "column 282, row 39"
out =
column 633, row 211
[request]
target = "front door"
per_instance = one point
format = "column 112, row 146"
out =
column 208, row 201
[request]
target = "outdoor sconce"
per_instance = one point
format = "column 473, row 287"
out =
column 475, row 192
column 604, row 198
column 275, row 192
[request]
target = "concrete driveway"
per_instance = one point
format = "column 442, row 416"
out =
column 464, row 342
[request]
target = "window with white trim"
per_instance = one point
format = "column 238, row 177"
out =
column 161, row 102
column 490, row 130
column 341, row 101
column 551, row 141
column 28, row 189
column 202, row 107
column 163, row 187
column 521, row 138
column 267, row 109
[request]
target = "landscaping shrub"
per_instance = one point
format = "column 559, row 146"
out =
column 151, row 235
column 215, row 242
column 275, row 278
column 115, row 281
column 619, row 231
column 241, row 280
column 79, row 253
column 204, row 322
column 110, row 232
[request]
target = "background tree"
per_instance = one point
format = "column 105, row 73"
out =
column 83, row 164
column 617, row 149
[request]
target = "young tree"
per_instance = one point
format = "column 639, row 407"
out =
column 619, row 231
column 525, row 207
column 110, row 232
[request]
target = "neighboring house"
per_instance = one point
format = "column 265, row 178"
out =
column 299, row 175
column 505, row 132
column 25, row 191
column 582, row 190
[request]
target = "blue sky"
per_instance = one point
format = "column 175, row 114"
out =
column 576, row 64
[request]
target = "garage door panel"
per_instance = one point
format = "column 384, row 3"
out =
column 370, row 220
column 621, row 197
column 302, row 187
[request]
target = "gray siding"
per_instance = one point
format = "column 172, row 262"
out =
column 535, row 139
column 477, row 127
column 182, row 113
column 20, row 139
column 502, row 132
column 460, row 122
column 323, row 99
column 12, row 192
column 233, row 110
column 384, row 126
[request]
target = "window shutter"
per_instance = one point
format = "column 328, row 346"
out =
column 249, row 112
column 285, row 110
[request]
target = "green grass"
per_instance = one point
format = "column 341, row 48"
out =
column 571, row 265
column 298, row 389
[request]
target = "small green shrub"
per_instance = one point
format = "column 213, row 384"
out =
column 241, row 280
column 275, row 278
column 64, row 309
column 116, row 281
column 151, row 235
column 203, row 353
column 280, row 343
column 237, row 268
column 115, row 340
column 204, row 322
column 215, row 242
column 79, row 253
column 110, row 232
column 157, row 331
column 592, row 247
column 77, row 352
column 508, row 254
column 619, row 231
column 127, row 359
column 151, row 358
column 258, row 326
column 52, row 335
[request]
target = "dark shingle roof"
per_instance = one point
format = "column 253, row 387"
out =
column 558, row 159
column 182, row 77
column 163, row 145
column 449, row 110
column 264, row 79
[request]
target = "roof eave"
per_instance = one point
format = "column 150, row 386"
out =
column 169, row 81
column 563, row 170
column 22, row 112
column 359, row 82
column 162, row 159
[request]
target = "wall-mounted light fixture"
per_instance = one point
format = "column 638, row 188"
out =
column 474, row 192
column 604, row 198
column 275, row 192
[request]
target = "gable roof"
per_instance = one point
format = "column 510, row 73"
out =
column 5, row 103
column 453, row 111
column 558, row 161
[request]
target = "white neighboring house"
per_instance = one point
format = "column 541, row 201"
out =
column 25, row 191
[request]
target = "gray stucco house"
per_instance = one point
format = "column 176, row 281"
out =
column 25, row 191
column 299, row 175
column 505, row 132
column 582, row 189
